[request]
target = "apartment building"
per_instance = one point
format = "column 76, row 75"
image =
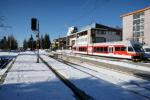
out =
column 136, row 26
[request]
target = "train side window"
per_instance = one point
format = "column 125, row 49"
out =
column 123, row 48
column 105, row 49
column 117, row 48
column 130, row 49
column 102, row 49
column 84, row 49
column 97, row 49
column 94, row 49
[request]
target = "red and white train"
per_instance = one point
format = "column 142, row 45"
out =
column 121, row 49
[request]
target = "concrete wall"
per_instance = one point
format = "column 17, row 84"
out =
column 147, row 27
column 127, row 27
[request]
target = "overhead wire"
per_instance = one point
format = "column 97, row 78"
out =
column 95, row 5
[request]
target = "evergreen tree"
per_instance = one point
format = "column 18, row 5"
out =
column 46, row 42
column 34, row 44
column 13, row 43
column 30, row 43
column 9, row 43
column 50, row 42
column 25, row 44
column 42, row 42
column 4, row 44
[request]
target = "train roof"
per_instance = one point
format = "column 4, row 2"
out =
column 127, row 43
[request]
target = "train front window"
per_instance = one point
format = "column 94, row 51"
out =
column 147, row 49
column 130, row 49
column 138, row 49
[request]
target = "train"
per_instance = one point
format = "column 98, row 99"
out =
column 121, row 49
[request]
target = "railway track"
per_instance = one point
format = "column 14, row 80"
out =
column 118, row 68
column 90, row 72
column 4, row 63
column 145, row 62
column 79, row 94
column 11, row 61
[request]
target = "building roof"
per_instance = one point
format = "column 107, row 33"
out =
column 135, row 12
column 60, row 39
column 97, row 25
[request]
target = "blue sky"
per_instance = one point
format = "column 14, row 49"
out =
column 56, row 16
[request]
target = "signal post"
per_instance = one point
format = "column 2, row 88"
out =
column 35, row 28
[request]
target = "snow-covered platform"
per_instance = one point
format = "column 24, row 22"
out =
column 28, row 80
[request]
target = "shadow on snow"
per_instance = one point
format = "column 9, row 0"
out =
column 55, row 90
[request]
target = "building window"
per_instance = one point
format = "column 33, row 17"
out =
column 99, row 40
column 73, row 42
column 138, row 26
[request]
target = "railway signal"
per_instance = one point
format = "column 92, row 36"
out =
column 35, row 28
column 34, row 24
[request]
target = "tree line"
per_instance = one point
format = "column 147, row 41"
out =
column 30, row 43
column 8, row 43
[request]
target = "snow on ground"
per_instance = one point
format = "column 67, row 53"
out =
column 98, row 88
column 9, row 54
column 28, row 80
column 125, row 81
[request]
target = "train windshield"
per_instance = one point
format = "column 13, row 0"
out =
column 147, row 49
column 138, row 48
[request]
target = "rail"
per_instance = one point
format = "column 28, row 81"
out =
column 79, row 94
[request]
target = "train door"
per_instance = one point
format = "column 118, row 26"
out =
column 111, row 50
column 90, row 50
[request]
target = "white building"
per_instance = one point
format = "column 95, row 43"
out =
column 95, row 33
column 136, row 26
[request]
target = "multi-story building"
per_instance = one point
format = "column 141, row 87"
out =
column 59, row 43
column 136, row 26
column 95, row 33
